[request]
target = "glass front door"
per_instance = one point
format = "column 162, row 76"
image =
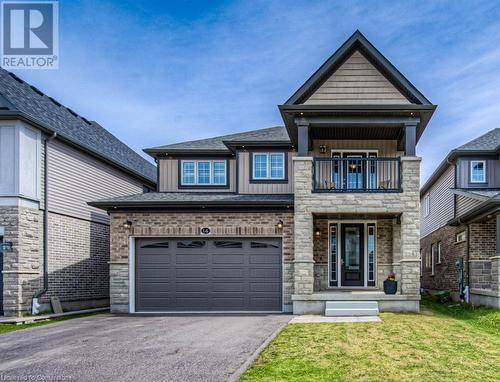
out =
column 352, row 259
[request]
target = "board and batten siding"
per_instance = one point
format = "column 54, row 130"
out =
column 76, row 178
column 357, row 82
column 492, row 173
column 169, row 178
column 385, row 148
column 246, row 187
column 441, row 203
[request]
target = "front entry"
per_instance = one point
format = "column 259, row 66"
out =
column 352, row 260
column 352, row 254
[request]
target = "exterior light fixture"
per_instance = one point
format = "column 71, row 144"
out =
column 352, row 166
column 317, row 233
column 127, row 224
column 279, row 225
column 6, row 246
column 322, row 149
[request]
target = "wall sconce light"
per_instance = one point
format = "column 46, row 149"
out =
column 317, row 233
column 127, row 224
column 6, row 246
column 279, row 225
column 322, row 149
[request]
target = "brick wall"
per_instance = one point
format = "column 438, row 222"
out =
column 446, row 273
column 150, row 224
column 78, row 260
column 482, row 249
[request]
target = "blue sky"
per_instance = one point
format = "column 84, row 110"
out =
column 158, row 72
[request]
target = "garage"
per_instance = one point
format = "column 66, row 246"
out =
column 208, row 274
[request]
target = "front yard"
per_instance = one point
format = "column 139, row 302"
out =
column 450, row 342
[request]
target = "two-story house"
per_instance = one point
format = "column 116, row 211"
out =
column 286, row 218
column 52, row 162
column 461, row 223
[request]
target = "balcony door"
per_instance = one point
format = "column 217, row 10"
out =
column 354, row 171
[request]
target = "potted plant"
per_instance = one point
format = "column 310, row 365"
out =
column 390, row 284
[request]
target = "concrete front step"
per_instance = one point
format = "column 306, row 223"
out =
column 351, row 308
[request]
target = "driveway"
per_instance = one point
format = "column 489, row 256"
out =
column 129, row 348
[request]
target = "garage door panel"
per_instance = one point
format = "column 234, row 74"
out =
column 207, row 274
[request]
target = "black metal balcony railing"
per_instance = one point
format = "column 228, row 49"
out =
column 356, row 174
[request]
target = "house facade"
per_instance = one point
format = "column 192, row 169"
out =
column 460, row 233
column 52, row 161
column 288, row 218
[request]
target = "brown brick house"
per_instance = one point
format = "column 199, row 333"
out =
column 460, row 230
column 52, row 161
column 306, row 217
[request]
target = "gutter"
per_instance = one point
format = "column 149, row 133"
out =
column 35, row 304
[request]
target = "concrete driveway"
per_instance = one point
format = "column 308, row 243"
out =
column 129, row 348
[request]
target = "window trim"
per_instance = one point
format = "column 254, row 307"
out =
column 196, row 185
column 433, row 258
column 427, row 205
column 458, row 234
column 471, row 163
column 438, row 260
column 268, row 179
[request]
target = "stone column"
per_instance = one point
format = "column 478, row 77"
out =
column 410, row 227
column 303, row 227
column 396, row 250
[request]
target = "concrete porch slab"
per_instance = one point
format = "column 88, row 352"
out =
column 316, row 319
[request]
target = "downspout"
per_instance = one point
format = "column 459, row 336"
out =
column 35, row 305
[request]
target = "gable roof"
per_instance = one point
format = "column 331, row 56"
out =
column 18, row 99
column 486, row 144
column 222, row 144
column 358, row 41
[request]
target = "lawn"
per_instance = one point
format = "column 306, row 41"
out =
column 451, row 342
column 6, row 328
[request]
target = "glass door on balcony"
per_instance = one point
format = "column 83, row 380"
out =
column 354, row 170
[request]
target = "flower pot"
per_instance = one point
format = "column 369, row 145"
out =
column 390, row 286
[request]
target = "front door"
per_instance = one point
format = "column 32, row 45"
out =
column 352, row 261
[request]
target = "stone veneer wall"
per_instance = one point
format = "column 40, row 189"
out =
column 406, row 203
column 21, row 266
column 158, row 224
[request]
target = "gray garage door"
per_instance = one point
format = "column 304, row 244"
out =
column 208, row 274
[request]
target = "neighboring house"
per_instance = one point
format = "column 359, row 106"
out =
column 52, row 161
column 461, row 222
column 285, row 218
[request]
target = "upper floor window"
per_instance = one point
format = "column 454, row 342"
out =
column 203, row 172
column 427, row 205
column 477, row 171
column 268, row 166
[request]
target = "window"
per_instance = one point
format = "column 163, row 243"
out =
column 433, row 258
column 477, row 171
column 439, row 252
column 203, row 173
column 268, row 166
column 421, row 263
column 371, row 254
column 427, row 205
column 460, row 237
column 333, row 255
column 191, row 244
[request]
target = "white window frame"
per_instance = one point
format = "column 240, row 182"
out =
column 433, row 258
column 427, row 205
column 268, row 164
column 211, row 175
column 472, row 163
column 438, row 253
column 458, row 237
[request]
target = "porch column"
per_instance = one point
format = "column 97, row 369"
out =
column 410, row 227
column 303, row 137
column 303, row 227
column 396, row 249
column 410, row 138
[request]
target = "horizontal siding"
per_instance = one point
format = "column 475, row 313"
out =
column 441, row 203
column 466, row 204
column 169, row 174
column 76, row 178
column 245, row 187
column 386, row 148
column 357, row 82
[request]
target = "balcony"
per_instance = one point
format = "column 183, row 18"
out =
column 357, row 174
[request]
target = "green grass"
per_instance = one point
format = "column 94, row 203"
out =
column 450, row 342
column 6, row 328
